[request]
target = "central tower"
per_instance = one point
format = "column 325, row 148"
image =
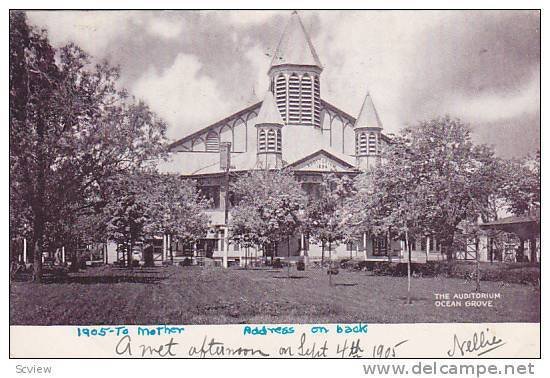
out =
column 295, row 76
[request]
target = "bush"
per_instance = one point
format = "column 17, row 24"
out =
column 186, row 262
column 510, row 273
column 300, row 265
column 135, row 264
column 277, row 263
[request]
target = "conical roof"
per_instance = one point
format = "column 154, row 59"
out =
column 295, row 46
column 368, row 116
column 269, row 113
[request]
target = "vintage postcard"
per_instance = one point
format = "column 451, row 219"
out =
column 275, row 183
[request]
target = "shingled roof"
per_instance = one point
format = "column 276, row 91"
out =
column 368, row 116
column 269, row 114
column 295, row 46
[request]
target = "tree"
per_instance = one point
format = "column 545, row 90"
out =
column 454, row 177
column 71, row 129
column 432, row 178
column 176, row 208
column 521, row 188
column 269, row 208
column 390, row 202
column 325, row 215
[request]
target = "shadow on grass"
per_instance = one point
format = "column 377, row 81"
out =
column 413, row 299
column 344, row 284
column 290, row 277
column 91, row 279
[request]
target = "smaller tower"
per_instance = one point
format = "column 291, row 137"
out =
column 269, row 126
column 368, row 135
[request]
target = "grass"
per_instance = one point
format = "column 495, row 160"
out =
column 194, row 295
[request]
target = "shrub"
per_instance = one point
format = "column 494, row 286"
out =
column 510, row 273
column 185, row 262
column 277, row 263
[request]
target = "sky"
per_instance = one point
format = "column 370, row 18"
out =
column 196, row 67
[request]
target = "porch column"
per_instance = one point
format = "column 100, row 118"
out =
column 242, row 256
column 63, row 254
column 24, row 250
column 428, row 241
column 164, row 247
column 365, row 245
column 169, row 247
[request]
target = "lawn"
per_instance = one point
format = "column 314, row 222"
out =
column 194, row 295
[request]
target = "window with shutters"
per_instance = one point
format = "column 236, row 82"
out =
column 294, row 99
column 280, row 95
column 306, row 100
column 372, row 143
column 279, row 141
column 261, row 141
column 271, row 140
column 317, row 101
column 212, row 141
column 360, row 143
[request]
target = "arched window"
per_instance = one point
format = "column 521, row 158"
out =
column 317, row 101
column 261, row 141
column 279, row 141
column 372, row 143
column 271, row 140
column 280, row 94
column 294, row 98
column 212, row 141
column 361, row 145
column 306, row 99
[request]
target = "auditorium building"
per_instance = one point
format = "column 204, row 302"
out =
column 294, row 127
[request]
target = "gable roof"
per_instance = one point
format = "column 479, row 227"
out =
column 322, row 152
column 368, row 116
column 295, row 46
column 215, row 125
column 254, row 107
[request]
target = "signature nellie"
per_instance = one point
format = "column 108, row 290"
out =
column 479, row 342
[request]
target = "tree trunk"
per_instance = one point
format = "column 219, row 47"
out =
column 408, row 247
column 37, row 264
column 322, row 253
column 38, row 248
column 388, row 245
column 38, row 203
column 129, row 253
column 288, row 253
column 330, row 263
column 171, row 251
column 74, row 258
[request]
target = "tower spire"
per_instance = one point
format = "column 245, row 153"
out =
column 294, row 76
column 368, row 135
column 368, row 116
column 295, row 46
column 269, row 134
